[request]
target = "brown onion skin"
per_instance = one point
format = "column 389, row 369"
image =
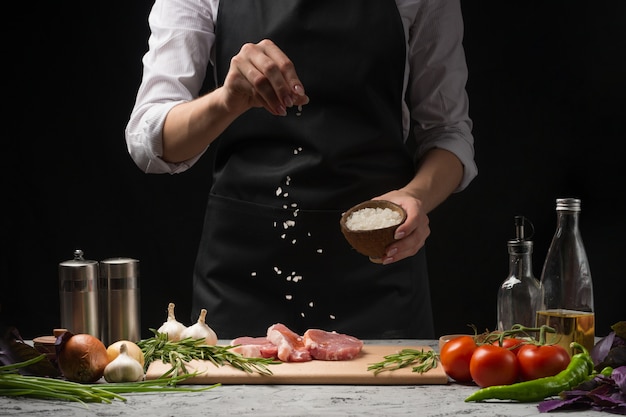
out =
column 81, row 357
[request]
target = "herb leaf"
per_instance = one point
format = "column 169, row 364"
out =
column 423, row 361
column 179, row 353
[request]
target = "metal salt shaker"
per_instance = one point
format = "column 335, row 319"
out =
column 119, row 300
column 78, row 292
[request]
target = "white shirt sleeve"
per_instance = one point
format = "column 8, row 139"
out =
column 180, row 44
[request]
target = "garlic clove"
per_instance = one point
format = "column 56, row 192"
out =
column 124, row 368
column 172, row 327
column 200, row 330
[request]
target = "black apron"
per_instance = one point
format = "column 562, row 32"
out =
column 271, row 249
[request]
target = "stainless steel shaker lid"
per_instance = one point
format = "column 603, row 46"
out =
column 119, row 268
column 78, row 269
column 119, row 274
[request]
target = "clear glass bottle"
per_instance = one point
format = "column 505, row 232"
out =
column 520, row 294
column 567, row 302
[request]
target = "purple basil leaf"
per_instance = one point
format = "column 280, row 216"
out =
column 546, row 406
column 619, row 376
column 615, row 358
column 602, row 348
column 13, row 350
column 605, row 400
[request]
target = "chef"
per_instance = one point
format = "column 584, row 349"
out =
column 317, row 106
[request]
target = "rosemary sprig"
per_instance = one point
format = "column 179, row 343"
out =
column 13, row 384
column 180, row 353
column 424, row 361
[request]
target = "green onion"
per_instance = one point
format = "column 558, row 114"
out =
column 13, row 384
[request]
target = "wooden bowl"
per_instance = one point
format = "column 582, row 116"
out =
column 374, row 242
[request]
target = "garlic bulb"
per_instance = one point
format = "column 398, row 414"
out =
column 200, row 330
column 124, row 368
column 172, row 327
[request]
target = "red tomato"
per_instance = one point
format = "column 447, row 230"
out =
column 511, row 343
column 455, row 356
column 493, row 365
column 539, row 361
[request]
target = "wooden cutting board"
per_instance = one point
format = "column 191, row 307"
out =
column 353, row 372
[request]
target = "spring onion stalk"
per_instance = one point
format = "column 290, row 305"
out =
column 13, row 384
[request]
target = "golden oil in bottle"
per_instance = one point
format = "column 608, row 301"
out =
column 571, row 326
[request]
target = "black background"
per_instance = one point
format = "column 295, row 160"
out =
column 547, row 89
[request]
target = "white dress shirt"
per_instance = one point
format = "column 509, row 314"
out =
column 181, row 44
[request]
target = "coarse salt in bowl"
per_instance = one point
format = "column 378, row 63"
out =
column 370, row 226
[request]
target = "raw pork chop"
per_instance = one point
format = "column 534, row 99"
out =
column 290, row 345
column 254, row 347
column 331, row 346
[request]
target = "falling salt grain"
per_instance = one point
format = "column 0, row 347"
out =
column 279, row 191
column 302, row 314
column 293, row 242
column 297, row 278
column 283, row 236
column 289, row 223
column 311, row 304
column 286, row 195
column 320, row 250
column 253, row 274
column 332, row 317
column 278, row 271
column 288, row 296
column 288, row 180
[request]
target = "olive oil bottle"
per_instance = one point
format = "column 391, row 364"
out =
column 567, row 299
column 520, row 293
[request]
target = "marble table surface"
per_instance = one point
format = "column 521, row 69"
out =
column 291, row 400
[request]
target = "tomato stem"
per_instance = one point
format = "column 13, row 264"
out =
column 517, row 330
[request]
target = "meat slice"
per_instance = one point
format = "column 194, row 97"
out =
column 331, row 346
column 290, row 344
column 254, row 347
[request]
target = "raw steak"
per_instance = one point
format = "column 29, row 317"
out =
column 290, row 345
column 254, row 347
column 331, row 346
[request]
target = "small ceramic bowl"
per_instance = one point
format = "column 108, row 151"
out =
column 372, row 243
column 446, row 338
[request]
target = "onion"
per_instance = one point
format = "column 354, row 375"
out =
column 81, row 357
column 132, row 349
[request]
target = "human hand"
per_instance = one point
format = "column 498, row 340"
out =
column 410, row 235
column 261, row 75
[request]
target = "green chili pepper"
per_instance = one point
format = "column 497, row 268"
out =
column 607, row 371
column 576, row 372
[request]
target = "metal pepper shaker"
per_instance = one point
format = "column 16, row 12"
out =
column 78, row 293
column 119, row 300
